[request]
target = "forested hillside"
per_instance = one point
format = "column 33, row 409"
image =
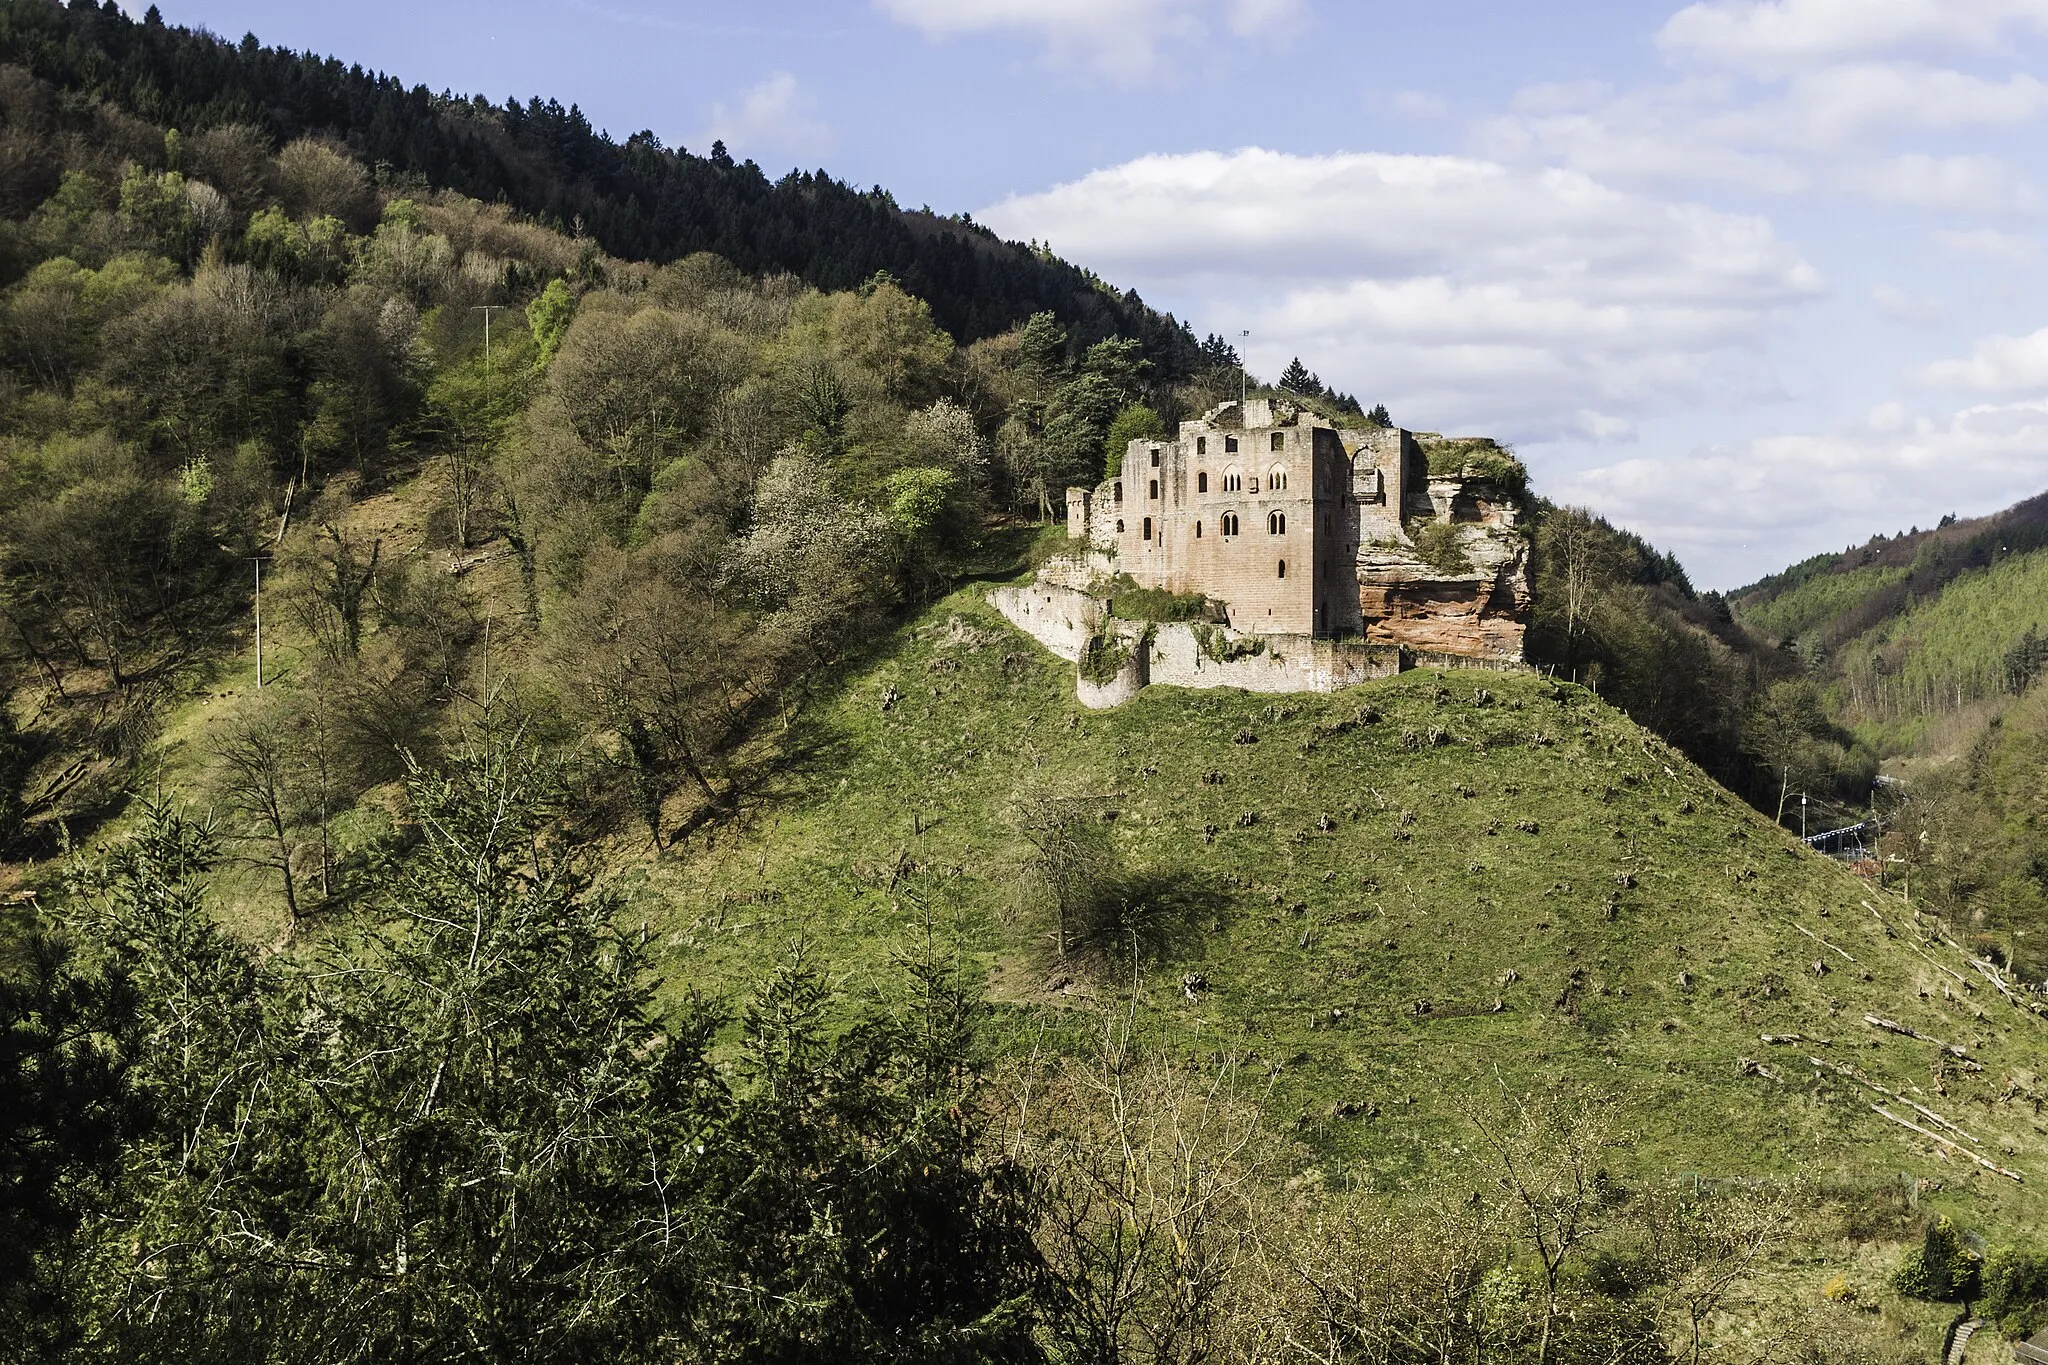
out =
column 1931, row 646
column 217, row 347
column 634, row 199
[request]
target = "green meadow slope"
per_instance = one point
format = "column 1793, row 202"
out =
column 1395, row 896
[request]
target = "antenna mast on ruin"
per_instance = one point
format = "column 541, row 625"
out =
column 1244, row 382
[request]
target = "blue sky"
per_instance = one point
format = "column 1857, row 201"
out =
column 1758, row 278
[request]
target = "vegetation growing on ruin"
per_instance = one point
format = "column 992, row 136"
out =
column 1474, row 457
column 1130, row 602
column 1442, row 548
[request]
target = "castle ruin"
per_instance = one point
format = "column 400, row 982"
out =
column 1322, row 555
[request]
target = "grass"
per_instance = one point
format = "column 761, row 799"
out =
column 1448, row 882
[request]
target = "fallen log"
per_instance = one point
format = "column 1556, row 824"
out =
column 1822, row 942
column 1991, row 1166
column 1853, row 1074
column 1894, row 1026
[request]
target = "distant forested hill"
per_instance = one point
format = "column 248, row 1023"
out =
column 637, row 199
column 1914, row 626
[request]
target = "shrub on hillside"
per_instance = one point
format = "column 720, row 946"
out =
column 2016, row 1291
column 1941, row 1268
column 1441, row 548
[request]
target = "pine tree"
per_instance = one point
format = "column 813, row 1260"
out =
column 1296, row 379
column 1219, row 354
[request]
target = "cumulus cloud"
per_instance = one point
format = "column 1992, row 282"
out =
column 1735, row 513
column 1121, row 37
column 773, row 118
column 1829, row 128
column 2000, row 364
column 1776, row 34
column 1459, row 290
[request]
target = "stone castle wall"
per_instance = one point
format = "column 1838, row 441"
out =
column 1179, row 654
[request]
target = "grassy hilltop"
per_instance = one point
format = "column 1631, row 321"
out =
column 1394, row 894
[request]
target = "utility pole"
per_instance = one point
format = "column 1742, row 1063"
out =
column 1802, row 816
column 464, row 476
column 487, row 309
column 257, row 560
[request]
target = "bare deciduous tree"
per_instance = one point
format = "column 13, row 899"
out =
column 1549, row 1150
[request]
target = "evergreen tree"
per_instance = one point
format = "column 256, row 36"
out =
column 1218, row 354
column 1296, row 379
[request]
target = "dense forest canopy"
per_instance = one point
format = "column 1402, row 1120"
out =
column 214, row 345
column 634, row 199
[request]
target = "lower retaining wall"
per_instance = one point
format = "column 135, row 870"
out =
column 1216, row 656
column 1062, row 619
column 1068, row 621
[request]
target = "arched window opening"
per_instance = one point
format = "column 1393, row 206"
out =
column 1148, row 530
column 1201, row 481
column 1279, row 440
column 1153, row 491
column 1119, row 492
column 1233, row 482
column 1198, row 530
column 1276, row 477
column 1283, row 568
column 1230, row 523
column 1119, row 525
column 1276, row 523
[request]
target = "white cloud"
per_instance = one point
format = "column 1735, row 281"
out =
column 1832, row 128
column 1458, row 290
column 1776, row 34
column 1121, row 37
column 1903, row 305
column 773, row 118
column 1999, row 364
column 1987, row 242
column 1981, row 184
column 1733, row 514
column 1419, row 104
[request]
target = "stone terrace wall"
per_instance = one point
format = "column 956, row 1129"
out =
column 1289, row 663
column 1065, row 620
column 1062, row 619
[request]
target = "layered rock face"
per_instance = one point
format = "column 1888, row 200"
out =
column 1453, row 582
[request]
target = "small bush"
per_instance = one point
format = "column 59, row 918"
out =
column 1103, row 659
column 1941, row 1269
column 1216, row 645
column 2016, row 1291
column 1130, row 602
column 1440, row 547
